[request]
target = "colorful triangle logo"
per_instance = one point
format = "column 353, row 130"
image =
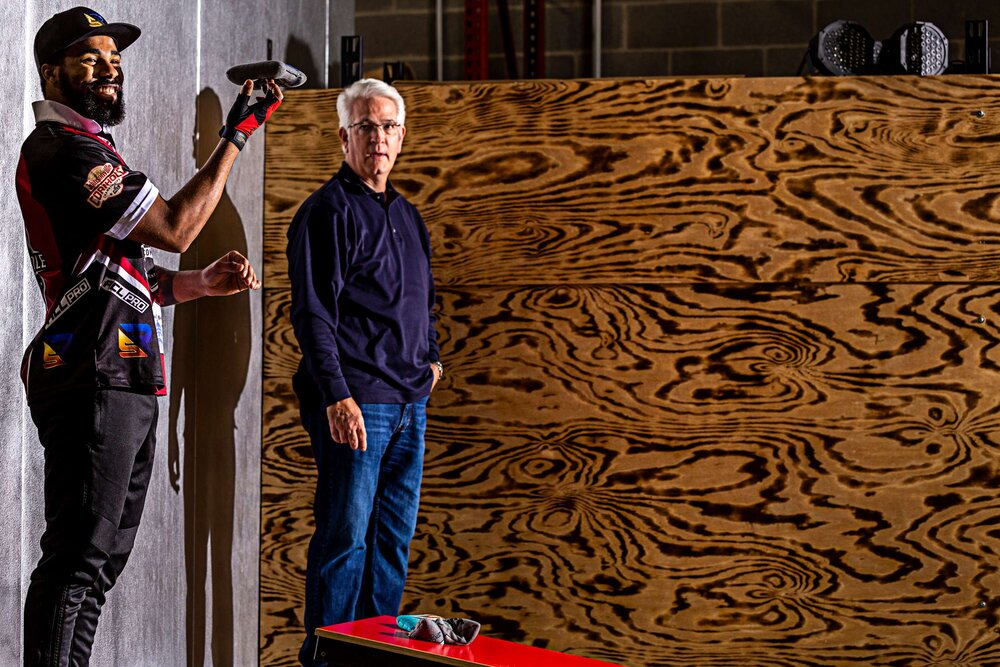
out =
column 51, row 358
column 127, row 349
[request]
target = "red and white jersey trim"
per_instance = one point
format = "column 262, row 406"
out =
column 133, row 214
column 126, row 272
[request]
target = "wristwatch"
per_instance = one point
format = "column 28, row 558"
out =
column 440, row 368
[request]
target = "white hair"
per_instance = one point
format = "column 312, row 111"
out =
column 366, row 89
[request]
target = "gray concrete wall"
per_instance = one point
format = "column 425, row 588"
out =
column 189, row 595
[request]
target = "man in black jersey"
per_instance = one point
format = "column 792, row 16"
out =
column 93, row 371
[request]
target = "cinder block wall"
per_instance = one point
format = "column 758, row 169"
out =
column 652, row 37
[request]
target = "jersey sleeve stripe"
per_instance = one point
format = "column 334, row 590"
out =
column 133, row 214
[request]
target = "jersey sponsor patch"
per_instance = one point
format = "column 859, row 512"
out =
column 72, row 295
column 133, row 340
column 104, row 182
column 55, row 346
column 125, row 294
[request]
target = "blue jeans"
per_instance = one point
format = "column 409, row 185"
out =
column 366, row 512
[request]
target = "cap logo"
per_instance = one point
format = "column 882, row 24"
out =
column 94, row 20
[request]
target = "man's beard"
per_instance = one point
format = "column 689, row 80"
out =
column 102, row 111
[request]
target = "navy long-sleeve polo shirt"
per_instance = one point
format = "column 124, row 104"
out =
column 362, row 295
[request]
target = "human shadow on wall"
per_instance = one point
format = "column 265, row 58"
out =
column 211, row 357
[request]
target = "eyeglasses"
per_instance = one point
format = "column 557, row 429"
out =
column 364, row 128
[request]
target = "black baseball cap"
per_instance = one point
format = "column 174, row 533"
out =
column 65, row 29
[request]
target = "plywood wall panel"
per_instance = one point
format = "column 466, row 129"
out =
column 281, row 349
column 811, row 497
column 726, row 395
column 775, row 179
column 286, row 525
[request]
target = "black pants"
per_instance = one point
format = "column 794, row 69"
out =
column 98, row 459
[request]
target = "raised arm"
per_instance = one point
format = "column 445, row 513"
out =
column 173, row 224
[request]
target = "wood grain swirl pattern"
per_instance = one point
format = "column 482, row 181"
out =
column 739, row 180
column 724, row 368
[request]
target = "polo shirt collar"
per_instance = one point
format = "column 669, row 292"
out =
column 349, row 176
column 56, row 112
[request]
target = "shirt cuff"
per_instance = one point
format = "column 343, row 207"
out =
column 334, row 390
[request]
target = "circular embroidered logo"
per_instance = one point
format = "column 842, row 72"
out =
column 103, row 183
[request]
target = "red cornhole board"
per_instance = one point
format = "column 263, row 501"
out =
column 377, row 642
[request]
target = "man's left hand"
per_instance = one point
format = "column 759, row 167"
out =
column 230, row 274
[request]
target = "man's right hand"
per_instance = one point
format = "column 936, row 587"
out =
column 347, row 425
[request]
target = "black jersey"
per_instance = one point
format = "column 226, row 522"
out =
column 80, row 201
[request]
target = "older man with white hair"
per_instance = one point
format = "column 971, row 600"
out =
column 362, row 308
